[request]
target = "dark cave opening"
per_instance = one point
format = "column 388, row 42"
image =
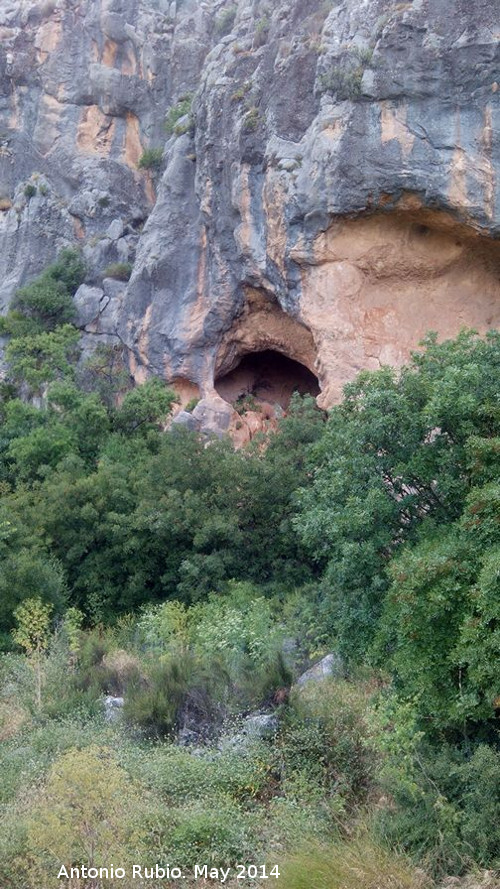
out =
column 267, row 376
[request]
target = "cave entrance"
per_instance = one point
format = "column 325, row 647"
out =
column 267, row 376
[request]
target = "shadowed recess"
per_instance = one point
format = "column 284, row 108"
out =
column 267, row 376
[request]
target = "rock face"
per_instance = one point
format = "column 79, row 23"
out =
column 332, row 197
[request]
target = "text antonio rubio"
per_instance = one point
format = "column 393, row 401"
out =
column 139, row 872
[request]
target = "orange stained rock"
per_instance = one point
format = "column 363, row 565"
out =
column 95, row 131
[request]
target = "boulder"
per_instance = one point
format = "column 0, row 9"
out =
column 112, row 708
column 213, row 416
column 331, row 666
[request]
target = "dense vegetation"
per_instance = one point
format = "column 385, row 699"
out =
column 198, row 582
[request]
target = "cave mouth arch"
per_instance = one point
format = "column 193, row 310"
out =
column 268, row 376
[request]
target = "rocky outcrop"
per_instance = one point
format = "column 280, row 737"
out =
column 85, row 88
column 332, row 197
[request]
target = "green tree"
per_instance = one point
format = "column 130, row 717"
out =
column 144, row 407
column 32, row 634
column 72, row 629
column 439, row 629
column 40, row 358
column 395, row 454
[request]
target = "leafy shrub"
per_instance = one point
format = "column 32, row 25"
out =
column 324, row 741
column 239, row 630
column 30, row 191
column 121, row 271
column 178, row 777
column 446, row 805
column 48, row 299
column 105, row 373
column 239, row 625
column 345, row 84
column 144, row 407
column 220, row 834
column 25, row 758
column 69, row 269
column 151, row 159
column 24, row 572
column 310, row 622
column 89, row 811
column 166, row 628
column 251, row 120
column 190, row 406
column 175, row 113
column 397, row 451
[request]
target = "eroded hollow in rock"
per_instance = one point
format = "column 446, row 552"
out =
column 267, row 376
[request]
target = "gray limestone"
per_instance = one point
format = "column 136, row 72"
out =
column 331, row 666
column 305, row 114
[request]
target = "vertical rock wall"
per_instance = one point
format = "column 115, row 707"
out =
column 333, row 196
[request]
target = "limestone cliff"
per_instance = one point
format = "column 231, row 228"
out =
column 331, row 194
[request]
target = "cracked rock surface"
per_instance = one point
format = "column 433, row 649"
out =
column 332, row 194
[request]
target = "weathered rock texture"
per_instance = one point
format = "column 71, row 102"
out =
column 335, row 198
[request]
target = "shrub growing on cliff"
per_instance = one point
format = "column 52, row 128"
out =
column 151, row 159
column 345, row 84
column 262, row 31
column 120, row 271
column 47, row 301
column 251, row 120
column 225, row 21
column 176, row 113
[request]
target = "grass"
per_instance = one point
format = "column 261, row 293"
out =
column 358, row 864
column 120, row 271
